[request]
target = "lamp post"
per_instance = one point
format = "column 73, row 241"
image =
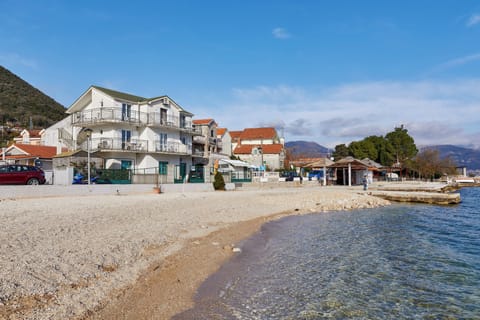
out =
column 88, row 133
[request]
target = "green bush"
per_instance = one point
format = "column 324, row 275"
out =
column 219, row 183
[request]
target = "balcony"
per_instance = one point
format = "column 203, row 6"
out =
column 100, row 116
column 107, row 115
column 199, row 139
column 173, row 147
column 116, row 144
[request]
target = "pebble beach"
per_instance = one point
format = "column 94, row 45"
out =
column 81, row 257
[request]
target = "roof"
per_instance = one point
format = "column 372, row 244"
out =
column 121, row 95
column 266, row 148
column 203, row 121
column 236, row 163
column 372, row 163
column 258, row 133
column 221, row 131
column 354, row 164
column 44, row 152
column 322, row 162
column 235, row 135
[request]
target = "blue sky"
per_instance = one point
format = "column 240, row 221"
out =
column 325, row 71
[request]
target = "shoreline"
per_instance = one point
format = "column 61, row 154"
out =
column 151, row 247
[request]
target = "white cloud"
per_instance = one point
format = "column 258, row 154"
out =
column 473, row 20
column 433, row 112
column 458, row 62
column 281, row 33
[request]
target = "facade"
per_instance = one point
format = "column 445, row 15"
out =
column 147, row 135
column 261, row 147
column 30, row 137
column 224, row 141
column 205, row 143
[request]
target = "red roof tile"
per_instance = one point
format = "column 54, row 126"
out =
column 258, row 133
column 203, row 121
column 235, row 135
column 267, row 148
column 221, row 131
column 37, row 150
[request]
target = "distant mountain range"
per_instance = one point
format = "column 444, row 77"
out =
column 307, row 149
column 20, row 102
column 467, row 157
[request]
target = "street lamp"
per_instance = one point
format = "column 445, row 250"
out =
column 88, row 133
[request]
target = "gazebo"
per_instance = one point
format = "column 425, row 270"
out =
column 350, row 171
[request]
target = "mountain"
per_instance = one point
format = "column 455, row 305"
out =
column 307, row 149
column 19, row 101
column 467, row 157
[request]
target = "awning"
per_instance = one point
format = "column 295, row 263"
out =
column 235, row 163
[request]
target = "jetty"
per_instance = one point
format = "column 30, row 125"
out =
column 420, row 192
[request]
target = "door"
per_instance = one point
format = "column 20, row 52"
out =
column 180, row 172
column 163, row 116
column 163, row 142
column 126, row 112
column 126, row 137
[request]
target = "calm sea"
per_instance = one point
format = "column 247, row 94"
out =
column 398, row 262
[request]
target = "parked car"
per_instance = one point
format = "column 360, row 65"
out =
column 315, row 174
column 21, row 174
column 290, row 175
column 391, row 176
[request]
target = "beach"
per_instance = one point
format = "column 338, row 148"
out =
column 135, row 256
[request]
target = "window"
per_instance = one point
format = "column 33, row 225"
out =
column 126, row 164
column 162, row 167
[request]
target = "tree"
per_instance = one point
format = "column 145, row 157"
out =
column 341, row 151
column 403, row 146
column 384, row 150
column 363, row 149
column 429, row 165
column 219, row 183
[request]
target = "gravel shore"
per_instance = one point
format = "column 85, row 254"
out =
column 74, row 257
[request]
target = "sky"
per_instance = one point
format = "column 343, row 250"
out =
column 331, row 72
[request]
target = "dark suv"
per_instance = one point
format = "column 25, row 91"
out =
column 21, row 174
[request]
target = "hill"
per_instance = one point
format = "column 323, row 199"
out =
column 467, row 157
column 19, row 101
column 306, row 149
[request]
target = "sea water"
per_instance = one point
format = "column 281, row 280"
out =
column 396, row 262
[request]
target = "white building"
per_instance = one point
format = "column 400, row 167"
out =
column 128, row 131
column 261, row 147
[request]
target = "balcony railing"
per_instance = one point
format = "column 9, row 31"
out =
column 107, row 115
column 115, row 115
column 172, row 147
column 117, row 144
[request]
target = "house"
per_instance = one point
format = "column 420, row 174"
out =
column 235, row 138
column 205, row 143
column 261, row 147
column 350, row 171
column 30, row 137
column 31, row 154
column 147, row 135
column 224, row 141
